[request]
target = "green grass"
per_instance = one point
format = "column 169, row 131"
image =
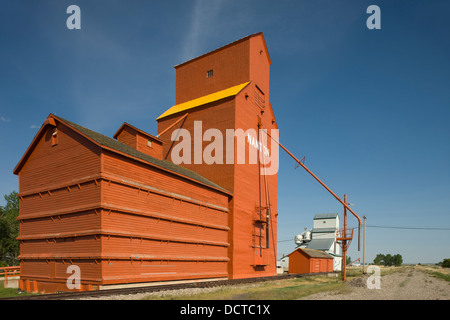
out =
column 11, row 292
column 272, row 290
column 438, row 272
column 441, row 275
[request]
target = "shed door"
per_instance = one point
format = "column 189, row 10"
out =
column 324, row 265
column 315, row 265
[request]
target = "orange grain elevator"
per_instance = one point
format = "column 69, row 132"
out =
column 196, row 201
column 227, row 90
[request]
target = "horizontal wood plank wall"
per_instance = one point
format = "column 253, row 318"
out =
column 248, row 258
column 230, row 67
column 47, row 201
column 218, row 115
column 132, row 271
column 240, row 62
column 73, row 156
column 141, row 173
column 158, row 226
column 58, row 197
column 128, row 136
column 49, row 276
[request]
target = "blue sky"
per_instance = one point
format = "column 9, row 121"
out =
column 369, row 109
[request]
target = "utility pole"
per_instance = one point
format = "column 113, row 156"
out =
column 344, row 238
column 344, row 244
column 364, row 246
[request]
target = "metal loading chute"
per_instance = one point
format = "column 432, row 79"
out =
column 323, row 184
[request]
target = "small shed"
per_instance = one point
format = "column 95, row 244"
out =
column 303, row 260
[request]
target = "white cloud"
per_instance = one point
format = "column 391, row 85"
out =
column 205, row 13
column 33, row 126
column 3, row 119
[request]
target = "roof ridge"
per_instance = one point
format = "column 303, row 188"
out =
column 220, row 48
column 123, row 148
column 137, row 129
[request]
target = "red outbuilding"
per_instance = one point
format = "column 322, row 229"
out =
column 304, row 260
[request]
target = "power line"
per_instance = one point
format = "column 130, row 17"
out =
column 406, row 228
column 392, row 227
column 411, row 228
column 285, row 240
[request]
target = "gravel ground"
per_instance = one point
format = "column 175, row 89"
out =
column 409, row 284
column 161, row 294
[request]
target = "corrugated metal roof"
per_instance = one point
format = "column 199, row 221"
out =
column 319, row 244
column 229, row 92
column 325, row 216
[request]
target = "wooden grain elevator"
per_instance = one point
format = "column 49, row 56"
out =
column 127, row 210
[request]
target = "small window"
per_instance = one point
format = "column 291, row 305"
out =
column 55, row 137
column 149, row 143
column 209, row 73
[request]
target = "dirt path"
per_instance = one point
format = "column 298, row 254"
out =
column 408, row 284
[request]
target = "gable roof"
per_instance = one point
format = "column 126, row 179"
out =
column 325, row 216
column 318, row 244
column 123, row 149
column 125, row 125
column 312, row 253
column 258, row 34
column 216, row 96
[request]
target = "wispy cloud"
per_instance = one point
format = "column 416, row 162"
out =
column 204, row 15
column 33, row 126
column 3, row 119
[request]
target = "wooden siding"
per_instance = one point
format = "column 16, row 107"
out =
column 128, row 136
column 144, row 176
column 58, row 220
column 300, row 262
column 136, row 139
column 122, row 220
column 73, row 157
column 49, row 276
column 230, row 66
column 154, row 218
column 113, row 211
column 218, row 115
column 48, row 202
column 128, row 271
column 246, row 60
column 253, row 259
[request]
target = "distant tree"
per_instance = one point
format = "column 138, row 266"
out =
column 397, row 260
column 445, row 263
column 9, row 230
column 388, row 260
column 348, row 260
column 379, row 259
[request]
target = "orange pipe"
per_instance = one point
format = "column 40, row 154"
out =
column 323, row 184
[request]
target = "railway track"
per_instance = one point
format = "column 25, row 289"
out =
column 155, row 288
